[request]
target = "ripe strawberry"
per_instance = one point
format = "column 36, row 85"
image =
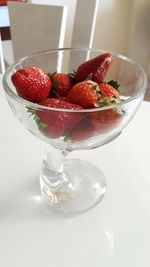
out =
column 61, row 84
column 96, row 67
column 55, row 123
column 108, row 91
column 114, row 83
column 105, row 120
column 108, row 119
column 82, row 131
column 85, row 94
column 32, row 84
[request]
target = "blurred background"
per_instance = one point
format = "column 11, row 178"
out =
column 121, row 26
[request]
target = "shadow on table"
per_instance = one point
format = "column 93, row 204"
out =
column 24, row 214
column 25, row 202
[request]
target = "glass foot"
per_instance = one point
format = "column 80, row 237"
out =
column 80, row 187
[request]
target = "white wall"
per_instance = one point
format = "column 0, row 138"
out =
column 122, row 26
column 112, row 25
column 139, row 41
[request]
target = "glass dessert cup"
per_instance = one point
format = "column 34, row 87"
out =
column 73, row 185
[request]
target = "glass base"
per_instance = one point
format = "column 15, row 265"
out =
column 81, row 187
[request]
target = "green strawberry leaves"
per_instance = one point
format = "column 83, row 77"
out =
column 114, row 83
column 32, row 113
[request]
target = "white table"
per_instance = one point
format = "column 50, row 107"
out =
column 116, row 233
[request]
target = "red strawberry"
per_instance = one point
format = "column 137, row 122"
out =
column 108, row 119
column 61, row 84
column 96, row 67
column 85, row 94
column 55, row 123
column 82, row 131
column 108, row 91
column 32, row 84
column 105, row 120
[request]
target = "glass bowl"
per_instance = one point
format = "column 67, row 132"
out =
column 73, row 185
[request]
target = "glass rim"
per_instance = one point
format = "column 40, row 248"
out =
column 32, row 105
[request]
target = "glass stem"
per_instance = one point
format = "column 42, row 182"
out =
column 53, row 166
column 54, row 159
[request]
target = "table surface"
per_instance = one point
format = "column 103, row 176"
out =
column 116, row 233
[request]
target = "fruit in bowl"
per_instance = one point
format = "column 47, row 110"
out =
column 85, row 88
column 73, row 104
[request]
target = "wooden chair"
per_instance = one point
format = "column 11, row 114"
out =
column 46, row 24
column 36, row 27
column 2, row 65
column 69, row 16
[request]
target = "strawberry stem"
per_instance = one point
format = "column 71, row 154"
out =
column 115, row 84
column 33, row 114
column 72, row 76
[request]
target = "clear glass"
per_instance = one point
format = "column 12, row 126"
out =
column 72, row 185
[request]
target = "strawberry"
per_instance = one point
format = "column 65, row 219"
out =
column 96, row 67
column 105, row 120
column 55, row 123
column 85, row 94
column 108, row 91
column 32, row 84
column 82, row 131
column 61, row 84
column 114, row 83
